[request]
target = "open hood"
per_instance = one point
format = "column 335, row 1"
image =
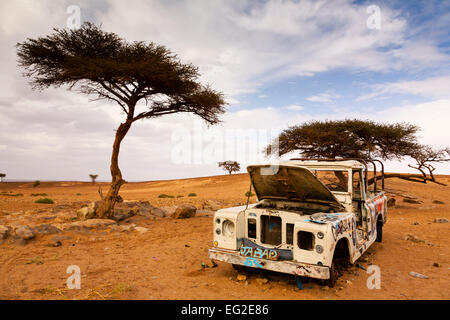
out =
column 290, row 183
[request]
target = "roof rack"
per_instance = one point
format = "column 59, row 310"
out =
column 363, row 161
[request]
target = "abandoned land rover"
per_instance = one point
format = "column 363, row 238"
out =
column 310, row 214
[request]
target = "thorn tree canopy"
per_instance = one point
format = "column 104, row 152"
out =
column 364, row 139
column 349, row 139
column 230, row 166
column 102, row 64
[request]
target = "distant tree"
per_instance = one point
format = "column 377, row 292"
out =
column 93, row 177
column 365, row 139
column 36, row 184
column 2, row 175
column 103, row 64
column 425, row 157
column 230, row 166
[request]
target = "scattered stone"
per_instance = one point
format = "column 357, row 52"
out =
column 184, row 212
column 391, row 202
column 241, row 277
column 88, row 212
column 55, row 244
column 262, row 281
column 49, row 218
column 437, row 265
column 121, row 214
column 141, row 230
column 4, row 232
column 418, row 275
column 438, row 202
column 46, row 229
column 416, row 223
column 413, row 238
column 127, row 209
column 214, row 264
column 412, row 200
column 348, row 282
column 169, row 210
column 212, row 205
column 89, row 224
column 24, row 232
column 440, row 220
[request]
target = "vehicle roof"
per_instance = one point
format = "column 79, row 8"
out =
column 338, row 164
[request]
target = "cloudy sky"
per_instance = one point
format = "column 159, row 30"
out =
column 278, row 62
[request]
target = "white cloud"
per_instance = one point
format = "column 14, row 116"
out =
column 294, row 107
column 241, row 45
column 323, row 97
column 435, row 87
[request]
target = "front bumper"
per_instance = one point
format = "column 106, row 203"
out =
column 290, row 267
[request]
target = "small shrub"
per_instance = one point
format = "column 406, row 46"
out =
column 38, row 194
column 78, row 194
column 180, row 196
column 162, row 196
column 192, row 194
column 36, row 183
column 44, row 200
column 248, row 194
column 12, row 195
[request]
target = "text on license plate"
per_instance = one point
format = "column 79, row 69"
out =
column 269, row 254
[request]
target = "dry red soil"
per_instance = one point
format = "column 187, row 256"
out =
column 166, row 262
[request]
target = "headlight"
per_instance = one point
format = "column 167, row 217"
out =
column 320, row 235
column 319, row 248
column 218, row 231
column 228, row 228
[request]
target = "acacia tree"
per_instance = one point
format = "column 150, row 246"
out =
column 2, row 175
column 353, row 138
column 230, row 166
column 102, row 64
column 93, row 177
column 425, row 158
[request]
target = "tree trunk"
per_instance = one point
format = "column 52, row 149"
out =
column 106, row 209
column 408, row 177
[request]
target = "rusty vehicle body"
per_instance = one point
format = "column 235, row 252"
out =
column 309, row 213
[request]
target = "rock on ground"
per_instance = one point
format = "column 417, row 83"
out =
column 141, row 229
column 391, row 202
column 4, row 232
column 24, row 232
column 184, row 212
column 411, row 200
column 46, row 229
column 140, row 208
column 440, row 220
column 89, row 224
column 88, row 212
column 262, row 281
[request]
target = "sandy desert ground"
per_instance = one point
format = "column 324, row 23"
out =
column 166, row 262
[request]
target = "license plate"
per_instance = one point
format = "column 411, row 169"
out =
column 258, row 253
